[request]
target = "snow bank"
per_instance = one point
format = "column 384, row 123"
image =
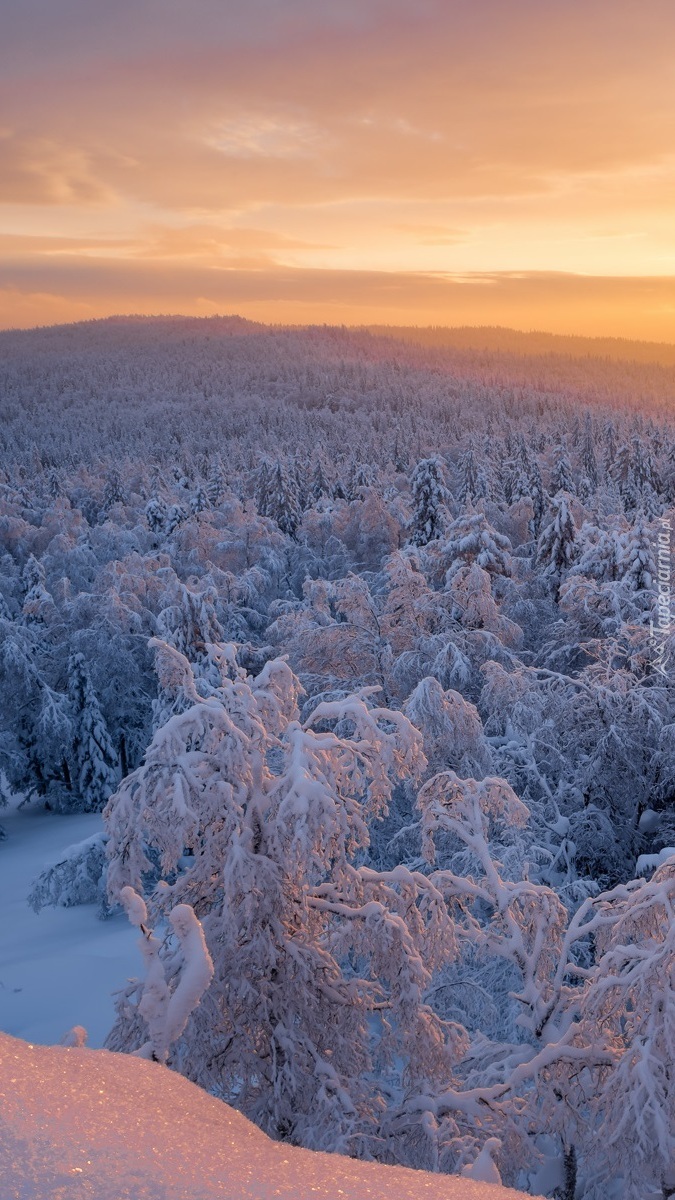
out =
column 80, row 1124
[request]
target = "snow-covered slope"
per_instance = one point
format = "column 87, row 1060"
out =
column 89, row 1125
column 59, row 967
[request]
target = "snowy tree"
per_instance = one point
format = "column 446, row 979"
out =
column 472, row 539
column 474, row 483
column 286, row 1030
column 175, row 517
column 561, row 478
column 78, row 878
column 283, row 504
column 638, row 561
column 589, row 463
column 93, row 760
column 429, row 496
column 216, row 483
column 38, row 605
column 319, row 486
column 630, row 998
column 199, row 500
column 537, row 495
column 451, row 728
column 556, row 548
column 155, row 513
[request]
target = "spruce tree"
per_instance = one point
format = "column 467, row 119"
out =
column 283, row 504
column 429, row 496
column 94, row 764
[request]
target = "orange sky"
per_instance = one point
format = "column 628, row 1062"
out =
column 430, row 162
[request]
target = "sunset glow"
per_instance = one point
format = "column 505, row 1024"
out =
column 436, row 162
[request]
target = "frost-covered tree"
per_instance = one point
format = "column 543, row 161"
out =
column 561, row 477
column 77, row 878
column 589, row 464
column 474, row 484
column 630, row 1002
column 216, row 485
column 175, row 517
column 283, row 502
column 38, row 604
column 472, row 539
column 310, row 950
column 93, row 760
column 319, row 486
column 638, row 561
column 429, row 496
column 155, row 513
column 451, row 728
column 556, row 548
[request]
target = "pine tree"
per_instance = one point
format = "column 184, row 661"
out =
column 474, row 485
column 429, row 496
column 199, row 500
column 589, row 463
column 556, row 549
column 38, row 606
column 113, row 492
column 320, row 486
column 638, row 561
column 262, row 489
column 155, row 514
column 94, row 763
column 537, row 495
column 400, row 455
column 561, row 479
column 174, row 517
column 283, row 505
column 215, row 485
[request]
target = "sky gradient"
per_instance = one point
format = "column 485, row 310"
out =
column 438, row 162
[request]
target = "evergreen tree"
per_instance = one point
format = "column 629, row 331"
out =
column 155, row 514
column 537, row 495
column 38, row 605
column 283, row 505
column 589, row 463
column 320, row 486
column 556, row 548
column 429, row 496
column 638, row 561
column 215, row 485
column 561, row 479
column 94, row 764
column 174, row 517
column 199, row 500
column 262, row 489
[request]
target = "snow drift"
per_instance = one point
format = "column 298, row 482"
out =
column 89, row 1124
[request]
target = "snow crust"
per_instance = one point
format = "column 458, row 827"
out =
column 79, row 1124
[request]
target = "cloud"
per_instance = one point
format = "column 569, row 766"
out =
column 413, row 136
column 626, row 307
column 42, row 170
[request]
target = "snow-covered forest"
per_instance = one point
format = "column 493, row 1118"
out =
column 363, row 649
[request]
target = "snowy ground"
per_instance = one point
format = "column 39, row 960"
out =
column 90, row 1125
column 59, row 967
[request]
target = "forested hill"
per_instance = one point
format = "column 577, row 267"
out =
column 368, row 648
column 498, row 339
column 70, row 389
